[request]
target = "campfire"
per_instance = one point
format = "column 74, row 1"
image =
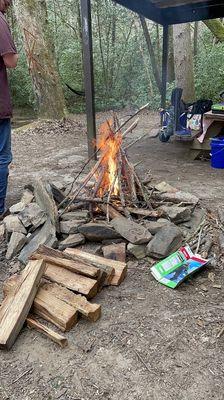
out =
column 113, row 180
column 79, row 238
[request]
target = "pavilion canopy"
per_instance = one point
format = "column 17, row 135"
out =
column 169, row 12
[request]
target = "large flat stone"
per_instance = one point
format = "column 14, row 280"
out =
column 71, row 226
column 97, row 232
column 131, row 231
column 165, row 242
column 72, row 241
column 177, row 214
column 16, row 243
column 155, row 226
column 44, row 235
column 44, row 198
column 75, row 215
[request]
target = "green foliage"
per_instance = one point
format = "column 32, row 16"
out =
column 21, row 85
column 209, row 71
column 122, row 68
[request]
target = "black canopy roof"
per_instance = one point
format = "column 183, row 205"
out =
column 168, row 12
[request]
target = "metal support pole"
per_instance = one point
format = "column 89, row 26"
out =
column 88, row 74
column 165, row 64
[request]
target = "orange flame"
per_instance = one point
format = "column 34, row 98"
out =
column 109, row 144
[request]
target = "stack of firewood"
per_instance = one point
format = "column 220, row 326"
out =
column 56, row 287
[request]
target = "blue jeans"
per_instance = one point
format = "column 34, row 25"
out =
column 5, row 159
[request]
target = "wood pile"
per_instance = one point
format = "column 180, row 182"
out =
column 56, row 287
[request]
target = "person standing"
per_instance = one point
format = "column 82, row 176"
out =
column 8, row 59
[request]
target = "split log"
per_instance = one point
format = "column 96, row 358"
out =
column 119, row 268
column 47, row 306
column 84, row 307
column 54, row 310
column 61, row 259
column 112, row 212
column 33, row 323
column 107, row 270
column 17, row 304
column 144, row 213
column 75, row 282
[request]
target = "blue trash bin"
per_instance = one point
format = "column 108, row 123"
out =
column 217, row 152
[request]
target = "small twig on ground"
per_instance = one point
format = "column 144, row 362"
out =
column 22, row 375
column 220, row 333
column 141, row 359
column 199, row 239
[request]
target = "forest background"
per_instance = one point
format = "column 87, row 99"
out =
column 127, row 57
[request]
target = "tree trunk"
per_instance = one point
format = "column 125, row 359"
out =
column 32, row 19
column 154, row 63
column 216, row 27
column 183, row 57
column 196, row 26
column 171, row 69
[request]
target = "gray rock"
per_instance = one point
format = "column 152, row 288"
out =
column 44, row 235
column 16, row 208
column 165, row 242
column 97, row 232
column 44, row 198
column 165, row 187
column 71, row 226
column 32, row 215
column 92, row 247
column 27, row 197
column 13, row 224
column 189, row 227
column 2, row 230
column 137, row 250
column 16, row 243
column 133, row 232
column 72, row 241
column 155, row 226
column 177, row 214
column 178, row 197
column 82, row 214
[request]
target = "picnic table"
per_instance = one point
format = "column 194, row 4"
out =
column 212, row 127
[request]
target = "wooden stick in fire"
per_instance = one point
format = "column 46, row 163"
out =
column 125, row 210
column 97, row 151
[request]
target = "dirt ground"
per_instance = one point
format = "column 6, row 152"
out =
column 151, row 342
